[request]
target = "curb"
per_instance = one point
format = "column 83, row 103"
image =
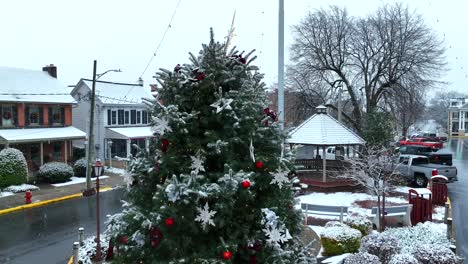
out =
column 41, row 203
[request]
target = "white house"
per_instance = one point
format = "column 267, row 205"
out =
column 121, row 118
column 458, row 116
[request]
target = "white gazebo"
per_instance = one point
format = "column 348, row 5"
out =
column 322, row 130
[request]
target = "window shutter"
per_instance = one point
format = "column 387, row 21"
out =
column 41, row 116
column 26, row 113
column 62, row 115
column 51, row 120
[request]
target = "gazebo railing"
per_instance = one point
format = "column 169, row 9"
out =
column 317, row 164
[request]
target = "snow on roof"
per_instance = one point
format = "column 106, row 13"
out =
column 22, row 85
column 129, row 132
column 119, row 93
column 322, row 129
column 40, row 134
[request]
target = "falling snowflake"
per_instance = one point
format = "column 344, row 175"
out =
column 161, row 126
column 197, row 164
column 205, row 216
column 222, row 104
column 279, row 177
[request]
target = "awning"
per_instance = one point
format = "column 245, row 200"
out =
column 25, row 135
column 129, row 132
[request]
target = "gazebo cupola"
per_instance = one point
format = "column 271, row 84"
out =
column 321, row 109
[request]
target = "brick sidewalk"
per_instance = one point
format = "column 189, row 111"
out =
column 49, row 192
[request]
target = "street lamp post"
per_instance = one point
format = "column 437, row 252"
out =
column 109, row 145
column 89, row 191
column 97, row 171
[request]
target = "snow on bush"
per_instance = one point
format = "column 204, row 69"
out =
column 403, row 259
column 88, row 250
column 79, row 168
column 381, row 245
column 55, row 172
column 362, row 258
column 410, row 238
column 337, row 240
column 13, row 167
column 436, row 254
column 359, row 222
column 335, row 223
column 21, row 188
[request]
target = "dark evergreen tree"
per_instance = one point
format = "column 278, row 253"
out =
column 214, row 187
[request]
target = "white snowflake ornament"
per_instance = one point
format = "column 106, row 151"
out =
column 161, row 126
column 197, row 164
column 280, row 178
column 222, row 104
column 205, row 216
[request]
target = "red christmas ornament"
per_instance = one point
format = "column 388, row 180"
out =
column 169, row 221
column 227, row 255
column 198, row 75
column 259, row 164
column 155, row 236
column 266, row 111
column 124, row 240
column 164, row 144
column 245, row 184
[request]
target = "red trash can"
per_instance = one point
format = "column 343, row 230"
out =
column 439, row 189
column 421, row 199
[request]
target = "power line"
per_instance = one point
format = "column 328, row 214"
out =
column 162, row 39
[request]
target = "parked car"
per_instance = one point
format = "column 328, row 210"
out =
column 435, row 156
column 422, row 142
column 337, row 153
column 417, row 169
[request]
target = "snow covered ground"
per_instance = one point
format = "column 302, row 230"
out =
column 75, row 180
column 114, row 170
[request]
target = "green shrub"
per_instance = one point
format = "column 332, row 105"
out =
column 359, row 222
column 361, row 258
column 13, row 167
column 55, row 172
column 338, row 240
column 79, row 168
column 382, row 245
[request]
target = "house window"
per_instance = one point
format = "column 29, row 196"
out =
column 114, row 117
column 455, row 114
column 109, row 117
column 8, row 112
column 120, row 115
column 139, row 142
column 454, row 103
column 138, row 117
column 133, row 117
column 33, row 115
column 56, row 115
column 127, row 117
column 57, row 151
column 119, row 148
column 145, row 117
column 466, row 114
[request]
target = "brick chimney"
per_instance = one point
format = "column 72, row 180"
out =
column 51, row 70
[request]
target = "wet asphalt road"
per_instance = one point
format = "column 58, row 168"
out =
column 458, row 193
column 46, row 234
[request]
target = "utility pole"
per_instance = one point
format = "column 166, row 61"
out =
column 89, row 190
column 281, row 64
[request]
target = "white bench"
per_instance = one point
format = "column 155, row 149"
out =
column 323, row 210
column 403, row 211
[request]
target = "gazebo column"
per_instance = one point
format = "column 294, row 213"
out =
column 324, row 169
column 317, row 157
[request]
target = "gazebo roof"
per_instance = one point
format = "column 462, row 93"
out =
column 324, row 130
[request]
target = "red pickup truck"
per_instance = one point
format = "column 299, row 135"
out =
column 422, row 142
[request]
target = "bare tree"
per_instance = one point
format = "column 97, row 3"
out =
column 368, row 56
column 439, row 105
column 372, row 171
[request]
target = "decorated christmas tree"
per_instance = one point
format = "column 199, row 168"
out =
column 214, row 187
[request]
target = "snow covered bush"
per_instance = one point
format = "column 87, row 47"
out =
column 361, row 258
column 88, row 251
column 55, row 172
column 337, row 240
column 359, row 222
column 335, row 223
column 381, row 245
column 13, row 167
column 410, row 238
column 21, row 188
column 436, row 254
column 403, row 259
column 79, row 168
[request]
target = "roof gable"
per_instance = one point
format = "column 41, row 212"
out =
column 322, row 129
column 117, row 93
column 22, row 85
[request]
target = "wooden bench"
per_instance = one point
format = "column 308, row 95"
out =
column 323, row 210
column 403, row 211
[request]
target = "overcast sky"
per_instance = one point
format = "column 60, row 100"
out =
column 125, row 33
